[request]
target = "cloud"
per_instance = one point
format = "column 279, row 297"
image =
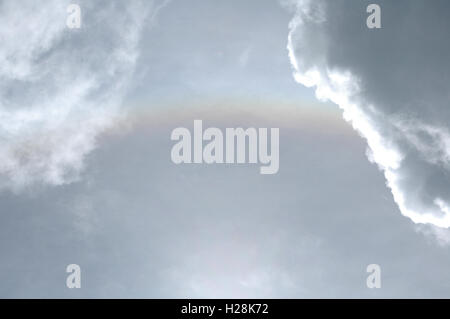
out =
column 244, row 57
column 60, row 87
column 392, row 84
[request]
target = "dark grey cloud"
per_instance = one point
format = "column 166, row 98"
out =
column 392, row 84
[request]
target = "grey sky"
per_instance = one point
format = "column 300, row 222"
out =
column 141, row 226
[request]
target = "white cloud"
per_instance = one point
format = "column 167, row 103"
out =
column 392, row 85
column 60, row 87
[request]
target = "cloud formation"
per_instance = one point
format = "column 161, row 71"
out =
column 392, row 84
column 60, row 87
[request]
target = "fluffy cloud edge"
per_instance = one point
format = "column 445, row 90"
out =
column 342, row 87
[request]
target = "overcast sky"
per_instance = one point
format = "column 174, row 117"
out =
column 86, row 176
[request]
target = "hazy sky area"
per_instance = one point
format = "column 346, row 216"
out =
column 112, row 201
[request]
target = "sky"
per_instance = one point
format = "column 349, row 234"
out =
column 86, row 175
